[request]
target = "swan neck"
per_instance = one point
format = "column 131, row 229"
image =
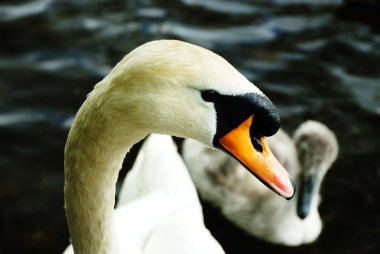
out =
column 94, row 153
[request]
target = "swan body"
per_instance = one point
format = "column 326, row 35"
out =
column 167, row 87
column 249, row 204
column 158, row 209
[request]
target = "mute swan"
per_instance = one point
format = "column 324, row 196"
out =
column 247, row 203
column 167, row 87
column 158, row 209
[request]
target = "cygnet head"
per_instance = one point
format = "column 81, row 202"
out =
column 317, row 149
column 184, row 90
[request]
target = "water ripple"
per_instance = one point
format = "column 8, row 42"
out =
column 10, row 13
column 228, row 7
column 365, row 89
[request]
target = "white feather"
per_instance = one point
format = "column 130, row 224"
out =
column 158, row 210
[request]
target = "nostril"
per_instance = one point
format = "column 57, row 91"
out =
column 256, row 142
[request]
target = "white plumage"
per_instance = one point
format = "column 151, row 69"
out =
column 158, row 209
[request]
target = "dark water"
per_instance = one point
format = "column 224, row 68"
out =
column 315, row 59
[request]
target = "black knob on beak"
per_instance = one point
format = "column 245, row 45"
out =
column 266, row 118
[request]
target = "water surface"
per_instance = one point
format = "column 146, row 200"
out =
column 314, row 59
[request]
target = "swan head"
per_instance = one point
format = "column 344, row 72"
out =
column 317, row 149
column 184, row 90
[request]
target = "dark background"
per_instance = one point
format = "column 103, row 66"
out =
column 315, row 59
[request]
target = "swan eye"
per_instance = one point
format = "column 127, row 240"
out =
column 209, row 95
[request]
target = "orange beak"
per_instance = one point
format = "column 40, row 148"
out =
column 262, row 164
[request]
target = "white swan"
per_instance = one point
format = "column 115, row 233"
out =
column 167, row 87
column 249, row 204
column 158, row 210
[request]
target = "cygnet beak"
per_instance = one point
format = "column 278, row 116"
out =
column 306, row 195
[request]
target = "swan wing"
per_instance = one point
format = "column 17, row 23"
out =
column 158, row 167
column 159, row 210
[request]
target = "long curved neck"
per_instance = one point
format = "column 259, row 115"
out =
column 94, row 153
